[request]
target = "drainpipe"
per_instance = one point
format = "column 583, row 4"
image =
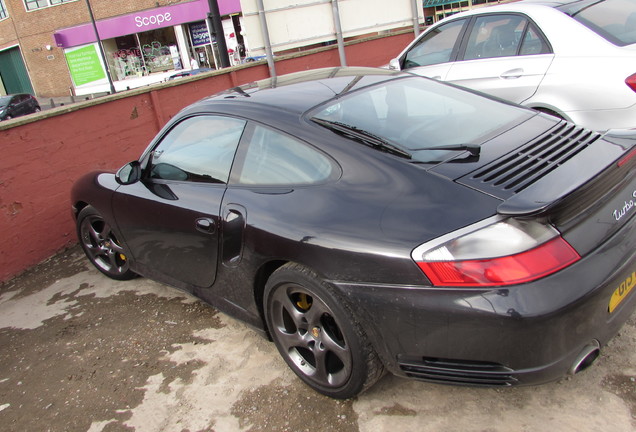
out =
column 266, row 41
column 416, row 17
column 339, row 38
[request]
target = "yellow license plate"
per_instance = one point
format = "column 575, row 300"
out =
column 622, row 291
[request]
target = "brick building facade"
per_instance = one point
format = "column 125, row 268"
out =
column 32, row 58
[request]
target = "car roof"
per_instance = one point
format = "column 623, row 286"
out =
column 300, row 91
column 568, row 7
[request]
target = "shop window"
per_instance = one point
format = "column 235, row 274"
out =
column 159, row 50
column 125, row 57
column 39, row 4
column 3, row 10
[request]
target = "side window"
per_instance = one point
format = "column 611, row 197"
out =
column 495, row 36
column 199, row 149
column 436, row 47
column 276, row 159
column 533, row 43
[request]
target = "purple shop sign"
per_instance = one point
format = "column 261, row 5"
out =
column 140, row 22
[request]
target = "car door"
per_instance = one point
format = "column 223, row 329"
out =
column 432, row 55
column 505, row 55
column 170, row 219
column 22, row 105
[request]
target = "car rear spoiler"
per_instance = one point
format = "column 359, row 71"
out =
column 589, row 175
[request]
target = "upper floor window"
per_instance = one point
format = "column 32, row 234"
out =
column 39, row 4
column 3, row 10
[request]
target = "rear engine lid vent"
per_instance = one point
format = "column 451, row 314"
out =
column 519, row 169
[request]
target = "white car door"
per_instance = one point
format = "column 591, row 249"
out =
column 505, row 56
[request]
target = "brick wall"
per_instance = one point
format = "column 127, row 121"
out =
column 43, row 154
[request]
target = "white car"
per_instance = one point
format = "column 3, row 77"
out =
column 575, row 59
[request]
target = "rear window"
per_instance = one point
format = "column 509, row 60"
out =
column 417, row 114
column 615, row 20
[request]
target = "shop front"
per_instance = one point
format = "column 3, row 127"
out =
column 142, row 47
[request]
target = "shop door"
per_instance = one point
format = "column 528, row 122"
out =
column 13, row 72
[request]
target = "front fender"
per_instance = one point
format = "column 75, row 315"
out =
column 95, row 189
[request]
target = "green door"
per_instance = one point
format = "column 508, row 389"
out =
column 13, row 72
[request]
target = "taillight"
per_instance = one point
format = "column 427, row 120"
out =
column 631, row 82
column 495, row 253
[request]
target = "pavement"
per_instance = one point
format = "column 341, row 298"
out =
column 81, row 352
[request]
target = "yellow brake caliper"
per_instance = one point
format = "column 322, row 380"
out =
column 304, row 301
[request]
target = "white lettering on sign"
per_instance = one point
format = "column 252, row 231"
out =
column 153, row 19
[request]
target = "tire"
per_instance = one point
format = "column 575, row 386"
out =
column 101, row 245
column 317, row 335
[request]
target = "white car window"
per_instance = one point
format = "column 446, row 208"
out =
column 495, row 36
column 435, row 47
column 533, row 43
column 615, row 20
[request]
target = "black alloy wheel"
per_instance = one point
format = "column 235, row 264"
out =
column 316, row 334
column 101, row 246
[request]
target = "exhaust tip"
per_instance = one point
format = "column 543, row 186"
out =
column 586, row 357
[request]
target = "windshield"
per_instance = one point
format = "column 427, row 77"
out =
column 615, row 20
column 417, row 115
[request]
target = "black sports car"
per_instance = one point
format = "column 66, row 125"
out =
column 370, row 221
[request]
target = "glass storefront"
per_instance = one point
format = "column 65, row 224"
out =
column 124, row 57
column 144, row 47
column 142, row 54
column 157, row 48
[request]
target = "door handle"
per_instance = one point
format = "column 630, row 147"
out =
column 206, row 225
column 512, row 74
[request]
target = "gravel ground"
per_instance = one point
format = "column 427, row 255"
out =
column 80, row 352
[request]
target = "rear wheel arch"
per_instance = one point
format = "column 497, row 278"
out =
column 260, row 281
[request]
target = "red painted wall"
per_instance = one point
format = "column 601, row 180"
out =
column 42, row 155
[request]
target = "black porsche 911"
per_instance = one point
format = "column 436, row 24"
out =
column 370, row 221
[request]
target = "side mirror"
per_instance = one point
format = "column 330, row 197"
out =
column 394, row 64
column 129, row 173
